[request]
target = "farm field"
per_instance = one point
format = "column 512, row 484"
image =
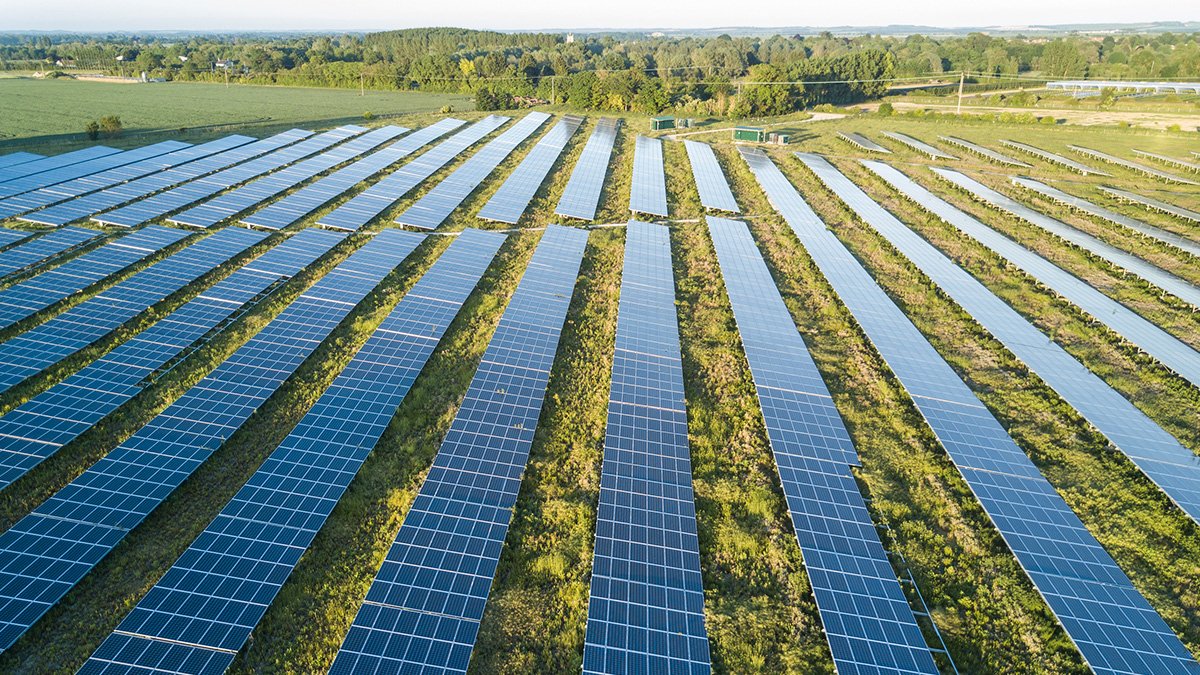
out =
column 975, row 601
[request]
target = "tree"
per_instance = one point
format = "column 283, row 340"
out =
column 92, row 130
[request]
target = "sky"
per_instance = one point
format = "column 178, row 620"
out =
column 133, row 15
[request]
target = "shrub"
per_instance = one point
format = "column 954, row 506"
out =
column 886, row 109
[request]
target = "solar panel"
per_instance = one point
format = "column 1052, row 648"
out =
column 9, row 237
column 271, row 185
column 868, row 622
column 48, row 551
column 369, row 203
column 49, row 343
column 1170, row 283
column 1152, row 203
column 513, row 197
column 1134, row 166
column 710, row 180
column 49, row 163
column 648, row 191
column 41, row 198
column 261, row 534
column 920, row 146
column 39, row 292
column 1181, row 163
column 863, row 142
column 582, row 194
column 1170, row 465
column 986, row 153
column 423, row 609
column 63, row 174
column 1081, row 204
column 163, row 203
column 240, row 149
column 646, row 606
column 435, row 206
column 38, row 428
column 1166, row 348
column 301, row 203
column 14, row 158
column 40, row 249
column 1056, row 159
column 1076, row 577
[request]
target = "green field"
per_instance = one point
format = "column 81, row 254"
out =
column 38, row 113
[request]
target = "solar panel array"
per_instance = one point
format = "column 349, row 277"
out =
column 373, row 201
column 1081, row 204
column 863, row 142
column 203, row 610
column 1181, row 163
column 988, row 153
column 648, row 191
column 49, row 343
column 71, row 172
column 9, row 236
column 920, row 146
column 261, row 189
column 1134, row 166
column 1168, row 282
column 39, row 292
column 240, row 149
column 302, row 202
column 435, row 206
column 48, row 551
column 710, row 180
column 1170, row 465
column 867, row 620
column 582, row 194
column 1152, row 203
column 163, row 203
column 646, row 605
column 1114, row 627
column 48, row 163
column 40, row 249
column 41, row 198
column 1056, row 159
column 423, row 609
column 39, row 427
column 14, row 158
column 511, row 200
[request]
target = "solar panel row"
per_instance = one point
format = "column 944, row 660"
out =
column 868, row 622
column 1181, row 163
column 53, row 162
column 39, row 427
column 980, row 150
column 236, row 149
column 163, row 203
column 710, row 180
column 261, row 189
column 1168, row 282
column 1114, row 627
column 40, row 249
column 14, row 158
column 920, row 146
column 1173, row 467
column 43, row 290
column 582, row 194
column 1081, row 204
column 8, row 237
column 301, row 203
column 1056, row 159
column 423, row 609
column 648, row 191
column 1134, row 166
column 203, row 610
column 41, row 198
column 646, row 605
column 49, row 343
column 1152, row 203
column 369, row 203
column 71, row 172
column 48, row 551
column 863, row 142
column 435, row 206
column 511, row 200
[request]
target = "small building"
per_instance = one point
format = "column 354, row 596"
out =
column 752, row 134
column 664, row 122
column 224, row 64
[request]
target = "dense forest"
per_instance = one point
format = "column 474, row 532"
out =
column 723, row 75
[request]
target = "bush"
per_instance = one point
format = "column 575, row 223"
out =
column 110, row 126
column 92, row 130
column 1048, row 120
column 368, row 115
column 446, row 109
column 886, row 109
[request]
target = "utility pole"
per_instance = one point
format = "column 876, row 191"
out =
column 554, row 90
column 962, row 76
column 362, row 88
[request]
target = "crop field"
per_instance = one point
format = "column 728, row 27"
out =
column 344, row 475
